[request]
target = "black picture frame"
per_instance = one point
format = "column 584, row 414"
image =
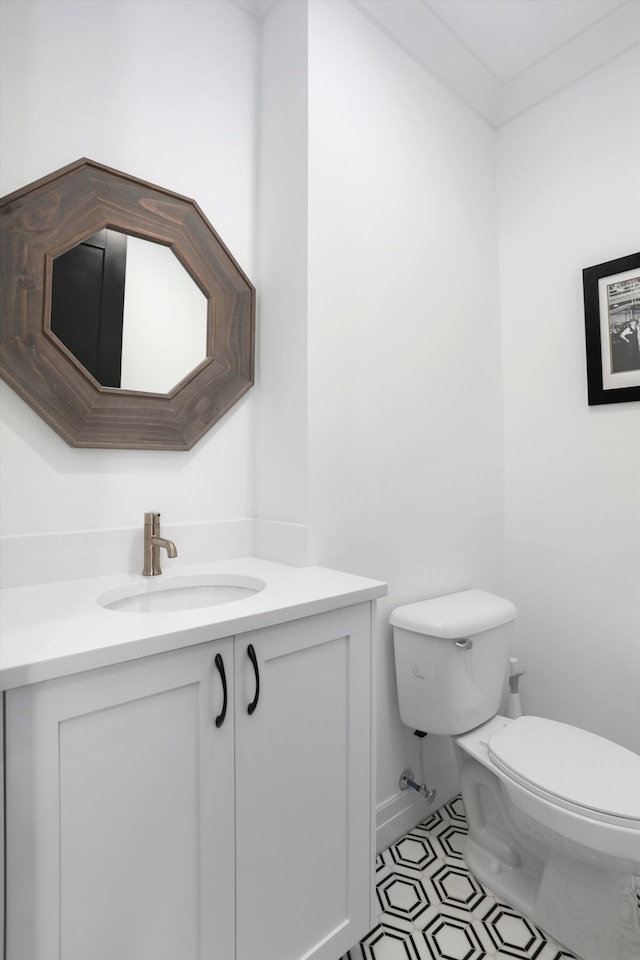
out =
column 612, row 330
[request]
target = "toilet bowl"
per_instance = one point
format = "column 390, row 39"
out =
column 553, row 810
column 555, row 832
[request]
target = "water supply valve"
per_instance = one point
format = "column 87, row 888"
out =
column 407, row 782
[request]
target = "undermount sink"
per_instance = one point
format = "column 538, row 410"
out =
column 180, row 593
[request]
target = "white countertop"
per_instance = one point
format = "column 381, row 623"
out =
column 54, row 629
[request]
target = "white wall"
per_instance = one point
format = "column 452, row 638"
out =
column 405, row 381
column 569, row 177
column 281, row 381
column 167, row 92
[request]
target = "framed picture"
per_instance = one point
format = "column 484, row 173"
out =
column 612, row 322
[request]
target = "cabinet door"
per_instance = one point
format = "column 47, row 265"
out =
column 120, row 821
column 303, row 787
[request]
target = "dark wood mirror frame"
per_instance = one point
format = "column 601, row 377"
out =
column 47, row 218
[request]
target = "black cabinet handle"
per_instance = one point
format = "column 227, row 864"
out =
column 254, row 660
column 220, row 665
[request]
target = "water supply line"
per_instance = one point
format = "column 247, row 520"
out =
column 407, row 780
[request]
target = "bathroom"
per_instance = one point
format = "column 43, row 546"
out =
column 419, row 414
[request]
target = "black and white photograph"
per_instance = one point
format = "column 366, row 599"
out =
column 623, row 303
column 612, row 330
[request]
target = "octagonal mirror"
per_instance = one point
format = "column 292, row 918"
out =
column 125, row 320
column 128, row 311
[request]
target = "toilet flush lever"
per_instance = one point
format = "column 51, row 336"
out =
column 464, row 644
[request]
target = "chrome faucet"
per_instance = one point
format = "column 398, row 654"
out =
column 152, row 543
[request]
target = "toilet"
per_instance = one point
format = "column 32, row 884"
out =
column 553, row 811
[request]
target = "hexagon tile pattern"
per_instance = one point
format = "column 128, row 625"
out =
column 431, row 908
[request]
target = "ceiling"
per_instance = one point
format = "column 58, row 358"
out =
column 502, row 56
column 510, row 36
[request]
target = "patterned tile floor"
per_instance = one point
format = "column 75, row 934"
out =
column 431, row 908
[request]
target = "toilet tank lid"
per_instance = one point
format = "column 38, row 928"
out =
column 455, row 616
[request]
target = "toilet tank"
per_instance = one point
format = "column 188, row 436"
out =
column 452, row 656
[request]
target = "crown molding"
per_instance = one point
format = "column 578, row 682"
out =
column 255, row 8
column 417, row 30
column 422, row 35
column 608, row 39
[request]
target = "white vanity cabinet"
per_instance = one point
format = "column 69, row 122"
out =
column 143, row 825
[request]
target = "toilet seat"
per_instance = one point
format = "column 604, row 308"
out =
column 571, row 768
